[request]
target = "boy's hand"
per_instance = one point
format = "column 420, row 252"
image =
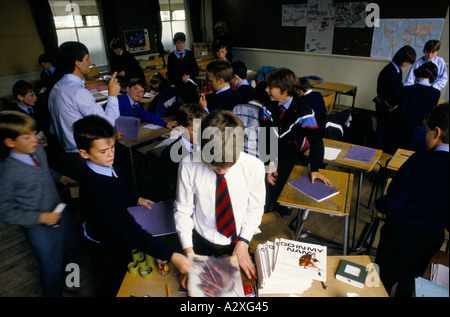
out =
column 113, row 86
column 244, row 259
column 202, row 101
column 317, row 175
column 145, row 202
column 49, row 218
column 171, row 124
column 65, row 180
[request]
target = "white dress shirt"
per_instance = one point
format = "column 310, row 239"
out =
column 440, row 81
column 70, row 101
column 195, row 203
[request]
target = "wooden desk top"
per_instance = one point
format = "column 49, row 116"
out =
column 342, row 88
column 345, row 147
column 400, row 157
column 145, row 135
column 373, row 287
column 338, row 204
column 155, row 285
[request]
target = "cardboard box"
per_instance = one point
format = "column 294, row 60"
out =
column 94, row 72
column 204, row 50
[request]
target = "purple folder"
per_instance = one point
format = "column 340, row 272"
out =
column 361, row 154
column 129, row 126
column 158, row 221
column 317, row 190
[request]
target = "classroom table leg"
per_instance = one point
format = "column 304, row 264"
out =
column 302, row 214
column 357, row 208
column 346, row 234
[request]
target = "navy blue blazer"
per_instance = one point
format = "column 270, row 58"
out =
column 226, row 100
column 126, row 110
column 390, row 85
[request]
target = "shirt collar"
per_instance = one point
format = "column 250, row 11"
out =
column 424, row 83
column 132, row 102
column 177, row 53
column 287, row 104
column 223, row 89
column 443, row 148
column 24, row 108
column 396, row 67
column 102, row 170
column 24, row 158
column 242, row 83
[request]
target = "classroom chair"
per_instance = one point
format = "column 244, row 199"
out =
column 380, row 173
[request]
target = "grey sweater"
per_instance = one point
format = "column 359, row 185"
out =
column 26, row 191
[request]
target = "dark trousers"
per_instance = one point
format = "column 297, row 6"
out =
column 109, row 264
column 204, row 247
column 403, row 254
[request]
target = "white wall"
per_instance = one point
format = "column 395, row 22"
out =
column 359, row 71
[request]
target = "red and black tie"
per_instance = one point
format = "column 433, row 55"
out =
column 35, row 160
column 224, row 211
column 282, row 111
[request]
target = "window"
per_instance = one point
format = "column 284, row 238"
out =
column 173, row 18
column 80, row 21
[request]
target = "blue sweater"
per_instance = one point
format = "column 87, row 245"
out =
column 418, row 194
column 126, row 110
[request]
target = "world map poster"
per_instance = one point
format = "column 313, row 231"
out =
column 392, row 34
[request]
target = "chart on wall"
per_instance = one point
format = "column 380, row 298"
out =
column 396, row 33
column 137, row 40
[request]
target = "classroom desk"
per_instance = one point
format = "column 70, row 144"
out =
column 155, row 285
column 359, row 167
column 340, row 89
column 144, row 135
column 338, row 205
column 400, row 157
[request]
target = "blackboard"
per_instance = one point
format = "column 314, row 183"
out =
column 257, row 24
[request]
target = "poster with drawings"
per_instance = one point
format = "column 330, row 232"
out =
column 319, row 26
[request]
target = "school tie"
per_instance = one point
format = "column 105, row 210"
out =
column 194, row 147
column 282, row 111
column 30, row 111
column 35, row 160
column 224, row 211
column 181, row 56
column 135, row 107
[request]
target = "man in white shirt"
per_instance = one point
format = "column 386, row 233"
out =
column 70, row 101
column 198, row 178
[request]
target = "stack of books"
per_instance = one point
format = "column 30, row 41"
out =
column 287, row 266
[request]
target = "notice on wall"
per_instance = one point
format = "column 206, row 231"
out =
column 319, row 26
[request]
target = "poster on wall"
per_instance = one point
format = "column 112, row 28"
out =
column 137, row 41
column 319, row 26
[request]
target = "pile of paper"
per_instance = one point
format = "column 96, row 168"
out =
column 287, row 266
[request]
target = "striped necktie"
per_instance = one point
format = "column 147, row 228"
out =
column 282, row 111
column 224, row 211
column 35, row 160
column 31, row 111
column 135, row 107
column 181, row 56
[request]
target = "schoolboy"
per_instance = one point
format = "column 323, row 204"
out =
column 201, row 179
column 111, row 232
column 49, row 74
column 182, row 68
column 294, row 124
column 416, row 206
column 244, row 91
column 29, row 195
column 124, row 63
column 188, row 118
column 430, row 51
column 129, row 104
column 26, row 97
column 250, row 114
column 220, row 74
column 70, row 101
